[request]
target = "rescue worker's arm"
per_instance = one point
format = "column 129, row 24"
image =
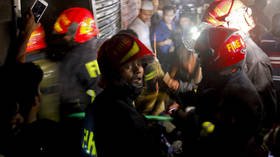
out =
column 198, row 76
column 88, row 77
column 30, row 25
column 178, row 86
column 171, row 83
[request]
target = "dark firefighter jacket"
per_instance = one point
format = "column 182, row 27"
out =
column 116, row 127
column 79, row 73
column 233, row 105
column 259, row 71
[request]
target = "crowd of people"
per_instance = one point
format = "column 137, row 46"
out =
column 152, row 89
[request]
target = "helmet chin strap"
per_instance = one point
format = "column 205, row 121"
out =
column 72, row 30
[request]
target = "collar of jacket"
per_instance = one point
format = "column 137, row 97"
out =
column 124, row 91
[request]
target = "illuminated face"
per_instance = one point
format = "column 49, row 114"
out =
column 145, row 15
column 133, row 72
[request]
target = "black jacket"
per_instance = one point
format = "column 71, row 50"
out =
column 233, row 105
column 79, row 72
column 118, row 129
column 259, row 71
column 41, row 138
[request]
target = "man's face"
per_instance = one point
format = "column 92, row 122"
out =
column 168, row 16
column 145, row 15
column 185, row 22
column 133, row 73
column 155, row 4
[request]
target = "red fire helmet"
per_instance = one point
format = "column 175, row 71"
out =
column 36, row 40
column 85, row 28
column 220, row 9
column 119, row 50
column 220, row 48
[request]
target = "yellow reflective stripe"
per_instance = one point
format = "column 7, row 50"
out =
column 93, row 68
column 150, row 75
column 86, row 26
column 92, row 94
column 134, row 50
column 85, row 138
column 64, row 20
column 89, row 143
column 57, row 27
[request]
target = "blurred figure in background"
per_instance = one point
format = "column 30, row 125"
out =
column 270, row 41
column 163, row 37
column 258, row 13
column 141, row 25
column 183, row 29
column 263, row 23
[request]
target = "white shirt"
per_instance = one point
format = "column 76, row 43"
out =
column 143, row 31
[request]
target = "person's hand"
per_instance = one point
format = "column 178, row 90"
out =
column 168, row 41
column 30, row 24
column 171, row 83
column 172, row 108
column 171, row 49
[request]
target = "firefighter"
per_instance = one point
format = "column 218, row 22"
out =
column 74, row 45
column 229, row 109
column 234, row 14
column 113, row 127
column 74, row 42
column 152, row 99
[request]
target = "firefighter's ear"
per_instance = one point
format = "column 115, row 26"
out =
column 37, row 100
column 211, row 52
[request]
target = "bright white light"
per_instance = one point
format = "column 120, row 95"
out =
column 194, row 33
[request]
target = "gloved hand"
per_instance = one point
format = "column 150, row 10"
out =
column 207, row 128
